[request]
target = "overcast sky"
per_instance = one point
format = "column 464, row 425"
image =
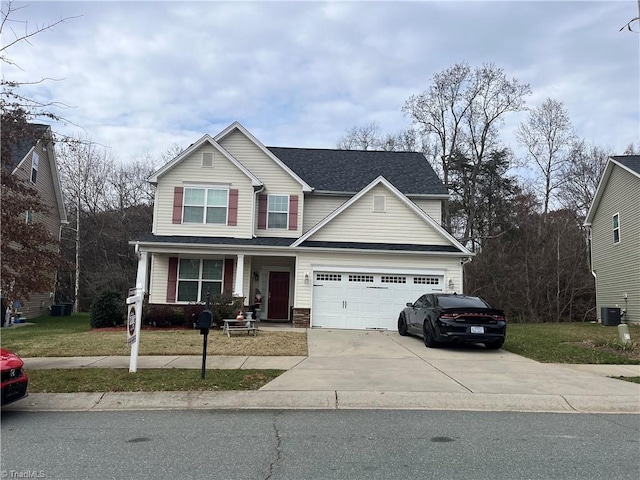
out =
column 142, row 76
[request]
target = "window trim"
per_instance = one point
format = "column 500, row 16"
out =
column 616, row 229
column 206, row 189
column 35, row 163
column 288, row 212
column 199, row 280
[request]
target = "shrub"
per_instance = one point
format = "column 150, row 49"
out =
column 163, row 316
column 107, row 310
column 225, row 305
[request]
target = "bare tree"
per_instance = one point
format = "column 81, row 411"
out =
column 632, row 149
column 85, row 172
column 547, row 136
column 462, row 109
column 365, row 137
column 585, row 166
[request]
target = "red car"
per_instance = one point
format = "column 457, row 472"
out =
column 14, row 378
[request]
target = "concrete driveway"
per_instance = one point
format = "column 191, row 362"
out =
column 358, row 361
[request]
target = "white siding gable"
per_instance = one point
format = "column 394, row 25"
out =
column 275, row 179
column 397, row 224
column 191, row 172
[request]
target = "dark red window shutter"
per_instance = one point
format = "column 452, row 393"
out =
column 177, row 204
column 293, row 212
column 233, row 207
column 227, row 282
column 172, row 280
column 262, row 212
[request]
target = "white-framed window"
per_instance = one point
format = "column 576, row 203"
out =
column 196, row 276
column 35, row 161
column 361, row 278
column 393, row 279
column 29, row 216
column 205, row 205
column 278, row 211
column 328, row 277
column 380, row 203
column 616, row 228
column 207, row 159
column 426, row 280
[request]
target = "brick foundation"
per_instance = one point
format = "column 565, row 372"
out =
column 301, row 317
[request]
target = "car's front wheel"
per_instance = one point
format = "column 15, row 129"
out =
column 427, row 336
column 402, row 326
column 494, row 345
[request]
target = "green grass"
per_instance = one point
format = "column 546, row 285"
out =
column 628, row 379
column 72, row 336
column 571, row 343
column 147, row 380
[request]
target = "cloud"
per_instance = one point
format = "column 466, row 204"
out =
column 141, row 76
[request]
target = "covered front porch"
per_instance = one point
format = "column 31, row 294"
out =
column 263, row 281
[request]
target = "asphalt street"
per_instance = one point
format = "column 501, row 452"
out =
column 319, row 444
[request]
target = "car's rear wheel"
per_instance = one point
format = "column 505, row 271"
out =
column 495, row 345
column 427, row 336
column 402, row 326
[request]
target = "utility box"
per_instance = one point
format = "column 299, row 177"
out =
column 610, row 316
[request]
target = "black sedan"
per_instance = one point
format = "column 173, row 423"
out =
column 452, row 318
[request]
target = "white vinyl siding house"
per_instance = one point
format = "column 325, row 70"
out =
column 292, row 235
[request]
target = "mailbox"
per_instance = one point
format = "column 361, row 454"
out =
column 205, row 319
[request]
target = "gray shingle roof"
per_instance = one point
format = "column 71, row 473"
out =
column 286, row 242
column 629, row 161
column 352, row 170
column 19, row 150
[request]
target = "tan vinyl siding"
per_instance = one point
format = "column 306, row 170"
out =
column 275, row 179
column 617, row 266
column 191, row 172
column 158, row 280
column 398, row 224
column 317, row 207
column 433, row 208
column 44, row 185
column 307, row 262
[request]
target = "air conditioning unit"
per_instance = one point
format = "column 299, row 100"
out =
column 610, row 316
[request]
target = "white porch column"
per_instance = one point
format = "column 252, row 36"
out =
column 237, row 289
column 141, row 279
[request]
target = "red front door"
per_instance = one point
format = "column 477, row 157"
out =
column 278, row 296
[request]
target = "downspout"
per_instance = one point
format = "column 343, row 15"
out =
column 254, row 220
column 593, row 271
column 463, row 262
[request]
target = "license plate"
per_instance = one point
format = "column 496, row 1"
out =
column 477, row 329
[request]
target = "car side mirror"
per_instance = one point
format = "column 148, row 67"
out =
column 409, row 304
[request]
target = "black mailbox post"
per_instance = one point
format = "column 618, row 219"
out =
column 205, row 320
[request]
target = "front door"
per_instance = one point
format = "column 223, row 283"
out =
column 278, row 296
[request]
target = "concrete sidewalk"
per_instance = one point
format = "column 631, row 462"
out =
column 370, row 370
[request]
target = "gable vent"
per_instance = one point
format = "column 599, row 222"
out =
column 207, row 159
column 379, row 203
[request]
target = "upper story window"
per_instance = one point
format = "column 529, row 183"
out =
column 616, row 228
column 205, row 205
column 35, row 160
column 278, row 211
column 197, row 277
column 29, row 216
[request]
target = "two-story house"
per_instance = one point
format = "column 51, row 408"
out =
column 328, row 238
column 32, row 159
column 614, row 223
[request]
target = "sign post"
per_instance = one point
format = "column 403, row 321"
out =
column 134, row 319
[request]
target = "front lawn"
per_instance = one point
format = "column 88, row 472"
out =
column 146, row 380
column 572, row 343
column 72, row 336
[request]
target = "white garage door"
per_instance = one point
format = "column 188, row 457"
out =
column 366, row 300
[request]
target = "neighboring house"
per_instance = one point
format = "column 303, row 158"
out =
column 34, row 161
column 329, row 238
column 614, row 221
